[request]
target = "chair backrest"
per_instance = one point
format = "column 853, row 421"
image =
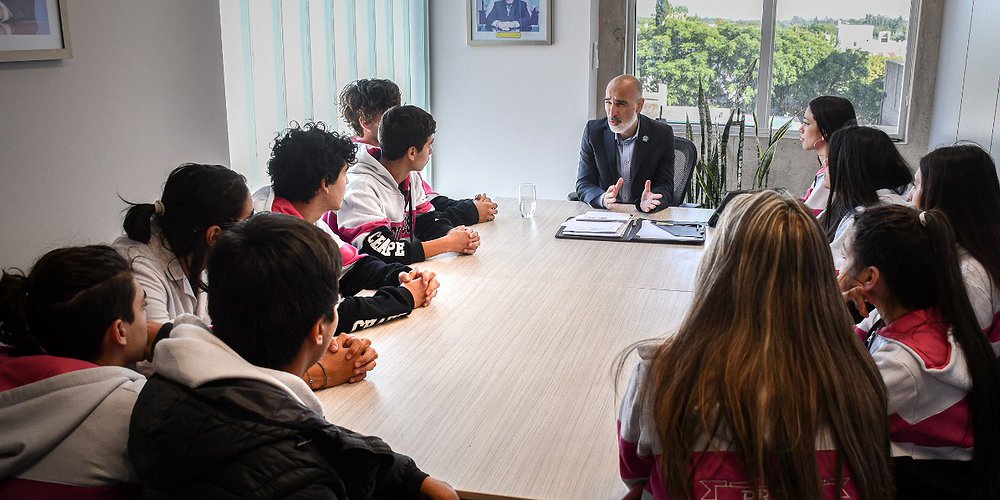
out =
column 685, row 156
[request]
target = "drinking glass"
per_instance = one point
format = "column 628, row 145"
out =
column 526, row 199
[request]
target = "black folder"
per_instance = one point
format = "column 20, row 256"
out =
column 650, row 231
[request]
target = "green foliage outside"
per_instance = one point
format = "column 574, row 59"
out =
column 680, row 50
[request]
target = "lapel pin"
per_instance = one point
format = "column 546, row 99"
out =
column 645, row 138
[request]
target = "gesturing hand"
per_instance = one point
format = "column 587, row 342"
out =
column 611, row 195
column 649, row 200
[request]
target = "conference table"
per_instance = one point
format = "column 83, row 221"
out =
column 505, row 386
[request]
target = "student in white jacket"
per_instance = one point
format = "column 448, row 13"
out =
column 68, row 330
column 167, row 241
column 866, row 170
column 386, row 212
column 961, row 181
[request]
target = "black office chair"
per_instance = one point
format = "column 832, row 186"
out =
column 685, row 157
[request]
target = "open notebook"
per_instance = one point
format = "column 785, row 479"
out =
column 613, row 226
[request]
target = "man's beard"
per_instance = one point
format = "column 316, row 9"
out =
column 622, row 127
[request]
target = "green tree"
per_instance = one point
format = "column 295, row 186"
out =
column 679, row 50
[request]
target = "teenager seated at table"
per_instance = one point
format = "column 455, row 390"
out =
column 764, row 390
column 227, row 414
column 942, row 378
column 824, row 115
column 866, row 170
column 386, row 212
column 362, row 104
column 308, row 170
column 68, row 330
column 961, row 182
column 168, row 241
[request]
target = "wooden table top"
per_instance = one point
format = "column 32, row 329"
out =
column 504, row 386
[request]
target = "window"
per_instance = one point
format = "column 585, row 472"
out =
column 288, row 60
column 771, row 57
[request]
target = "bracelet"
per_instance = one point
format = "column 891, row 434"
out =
column 326, row 378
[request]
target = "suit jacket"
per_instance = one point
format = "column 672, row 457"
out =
column 518, row 12
column 652, row 159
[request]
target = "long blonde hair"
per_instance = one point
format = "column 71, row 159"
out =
column 767, row 361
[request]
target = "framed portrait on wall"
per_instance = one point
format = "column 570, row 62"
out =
column 502, row 22
column 34, row 30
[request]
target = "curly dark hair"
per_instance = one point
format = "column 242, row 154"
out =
column 367, row 99
column 304, row 156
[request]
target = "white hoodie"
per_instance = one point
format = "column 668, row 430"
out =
column 70, row 429
column 374, row 200
column 194, row 356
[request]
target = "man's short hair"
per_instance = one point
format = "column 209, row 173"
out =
column 403, row 127
column 304, row 156
column 272, row 278
column 367, row 99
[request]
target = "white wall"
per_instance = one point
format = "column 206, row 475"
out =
column 510, row 114
column 968, row 82
column 143, row 93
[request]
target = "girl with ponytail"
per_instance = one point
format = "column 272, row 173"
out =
column 167, row 241
column 68, row 329
column 942, row 378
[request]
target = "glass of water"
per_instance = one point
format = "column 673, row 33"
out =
column 526, row 199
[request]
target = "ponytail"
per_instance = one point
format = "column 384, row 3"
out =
column 13, row 322
column 954, row 307
column 138, row 221
column 916, row 254
column 195, row 198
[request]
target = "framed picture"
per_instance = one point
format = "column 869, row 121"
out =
column 34, row 30
column 502, row 22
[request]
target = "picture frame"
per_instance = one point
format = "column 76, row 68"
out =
column 34, row 30
column 502, row 22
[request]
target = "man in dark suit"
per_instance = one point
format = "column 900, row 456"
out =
column 509, row 15
column 627, row 158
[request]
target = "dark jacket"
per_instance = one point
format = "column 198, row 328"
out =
column 519, row 12
column 246, row 439
column 390, row 301
column 459, row 212
column 653, row 159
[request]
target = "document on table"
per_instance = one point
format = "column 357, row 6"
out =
column 602, row 215
column 585, row 225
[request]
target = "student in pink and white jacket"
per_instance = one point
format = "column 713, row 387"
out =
column 764, row 391
column 362, row 104
column 961, row 181
column 386, row 212
column 308, row 168
column 942, row 378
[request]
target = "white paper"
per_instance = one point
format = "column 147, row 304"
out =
column 602, row 215
column 588, row 227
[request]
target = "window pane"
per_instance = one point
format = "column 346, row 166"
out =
column 682, row 42
column 851, row 48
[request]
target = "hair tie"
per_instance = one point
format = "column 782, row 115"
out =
column 160, row 209
column 923, row 219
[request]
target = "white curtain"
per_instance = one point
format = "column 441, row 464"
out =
column 288, row 60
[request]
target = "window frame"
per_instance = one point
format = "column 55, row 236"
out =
column 765, row 74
